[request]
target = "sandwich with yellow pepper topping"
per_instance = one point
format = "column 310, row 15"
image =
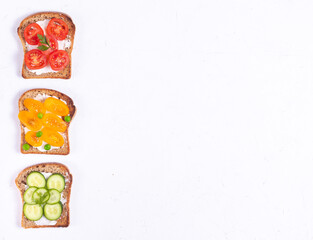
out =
column 45, row 116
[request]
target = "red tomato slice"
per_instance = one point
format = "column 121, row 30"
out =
column 58, row 60
column 53, row 44
column 35, row 59
column 30, row 33
column 57, row 28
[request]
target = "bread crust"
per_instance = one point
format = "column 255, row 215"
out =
column 65, row 149
column 20, row 182
column 66, row 72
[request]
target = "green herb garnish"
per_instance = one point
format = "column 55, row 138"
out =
column 43, row 48
column 42, row 197
column 45, row 43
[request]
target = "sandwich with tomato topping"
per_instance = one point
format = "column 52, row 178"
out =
column 47, row 39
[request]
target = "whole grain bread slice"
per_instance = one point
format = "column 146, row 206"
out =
column 65, row 149
column 20, row 182
column 66, row 72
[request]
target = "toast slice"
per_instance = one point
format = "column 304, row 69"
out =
column 41, row 94
column 66, row 72
column 20, row 182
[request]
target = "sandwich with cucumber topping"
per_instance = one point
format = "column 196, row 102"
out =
column 45, row 190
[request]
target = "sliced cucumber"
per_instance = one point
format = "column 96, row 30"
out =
column 41, row 196
column 32, row 212
column 53, row 211
column 36, row 179
column 28, row 195
column 55, row 196
column 56, row 181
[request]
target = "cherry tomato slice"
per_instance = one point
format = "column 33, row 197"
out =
column 58, row 60
column 53, row 44
column 30, row 33
column 57, row 28
column 52, row 137
column 35, row 59
column 32, row 139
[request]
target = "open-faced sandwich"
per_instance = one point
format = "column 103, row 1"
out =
column 45, row 117
column 45, row 189
column 47, row 39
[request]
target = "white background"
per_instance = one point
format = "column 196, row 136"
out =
column 194, row 121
